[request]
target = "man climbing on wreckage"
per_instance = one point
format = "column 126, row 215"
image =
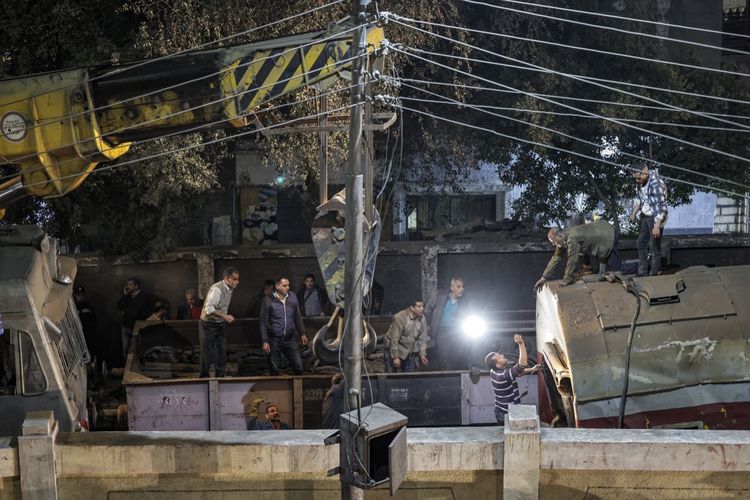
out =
column 598, row 239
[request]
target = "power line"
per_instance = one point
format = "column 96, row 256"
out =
column 171, row 115
column 572, row 107
column 194, row 146
column 610, row 28
column 551, row 71
column 575, row 47
column 530, row 94
column 588, row 79
column 563, row 150
column 554, row 96
column 448, row 100
column 623, row 18
column 197, row 47
column 627, row 120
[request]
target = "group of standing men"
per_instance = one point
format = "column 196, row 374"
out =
column 600, row 239
column 281, row 326
column 433, row 327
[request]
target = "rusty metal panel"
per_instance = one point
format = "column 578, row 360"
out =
column 179, row 407
column 429, row 399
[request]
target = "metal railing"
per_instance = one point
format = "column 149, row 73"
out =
column 71, row 345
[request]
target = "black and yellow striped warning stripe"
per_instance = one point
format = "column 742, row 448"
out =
column 253, row 77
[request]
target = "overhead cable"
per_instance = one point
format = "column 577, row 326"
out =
column 622, row 18
column 530, row 94
column 448, row 100
column 557, row 96
column 609, row 28
column 534, row 67
column 576, row 47
column 563, row 150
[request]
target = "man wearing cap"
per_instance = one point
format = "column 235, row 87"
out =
column 214, row 321
column 504, row 378
column 273, row 419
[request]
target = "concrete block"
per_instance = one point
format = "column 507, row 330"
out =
column 522, row 453
column 729, row 210
column 38, row 423
column 36, row 451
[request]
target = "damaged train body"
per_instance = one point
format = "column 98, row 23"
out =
column 689, row 363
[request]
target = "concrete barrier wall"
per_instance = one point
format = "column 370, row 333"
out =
column 517, row 461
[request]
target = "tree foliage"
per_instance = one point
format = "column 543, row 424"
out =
column 159, row 203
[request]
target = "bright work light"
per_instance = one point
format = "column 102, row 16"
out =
column 474, row 327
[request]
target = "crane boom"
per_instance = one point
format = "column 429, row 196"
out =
column 57, row 127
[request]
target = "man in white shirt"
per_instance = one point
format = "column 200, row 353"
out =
column 214, row 321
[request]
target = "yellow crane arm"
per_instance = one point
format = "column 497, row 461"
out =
column 57, row 127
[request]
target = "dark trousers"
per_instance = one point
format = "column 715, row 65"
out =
column 451, row 352
column 648, row 245
column 213, row 348
column 500, row 416
column 407, row 365
column 288, row 349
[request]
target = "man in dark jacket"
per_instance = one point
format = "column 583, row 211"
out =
column 280, row 323
column 134, row 305
column 312, row 299
column 191, row 308
column 598, row 239
column 443, row 314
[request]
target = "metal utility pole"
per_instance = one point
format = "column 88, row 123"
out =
column 323, row 161
column 354, row 214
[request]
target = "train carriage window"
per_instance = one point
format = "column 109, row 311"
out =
column 33, row 381
column 7, row 365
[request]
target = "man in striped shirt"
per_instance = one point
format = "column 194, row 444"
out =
column 504, row 378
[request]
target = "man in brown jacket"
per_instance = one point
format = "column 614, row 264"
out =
column 598, row 239
column 406, row 339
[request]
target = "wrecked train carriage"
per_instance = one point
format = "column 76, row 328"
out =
column 42, row 350
column 689, row 364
